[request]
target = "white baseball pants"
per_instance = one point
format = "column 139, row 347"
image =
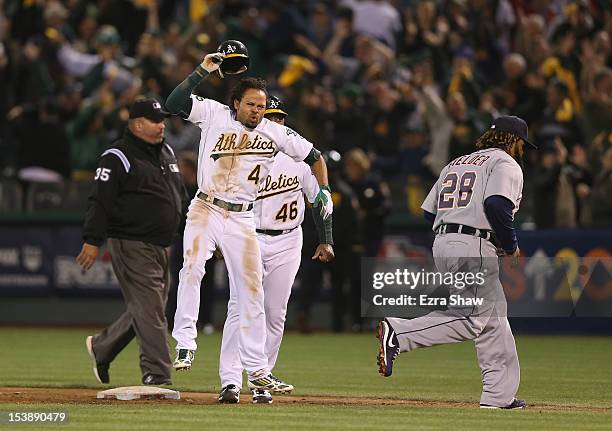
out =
column 281, row 257
column 209, row 226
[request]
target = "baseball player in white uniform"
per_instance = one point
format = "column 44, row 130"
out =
column 236, row 152
column 472, row 207
column 279, row 212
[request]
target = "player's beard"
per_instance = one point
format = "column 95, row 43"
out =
column 519, row 160
column 517, row 154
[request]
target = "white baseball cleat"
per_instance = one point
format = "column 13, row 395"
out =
column 184, row 358
column 271, row 383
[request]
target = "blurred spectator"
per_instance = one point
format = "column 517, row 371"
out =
column 283, row 23
column 183, row 136
column 388, row 112
column 559, row 117
column 108, row 63
column 597, row 115
column 348, row 248
column 463, row 78
column 320, row 25
column 349, row 120
column 244, row 27
column 376, row 18
column 531, row 39
column 600, row 202
column 464, row 129
column 564, row 65
column 46, row 158
column 521, row 94
column 427, row 32
column 561, row 184
column 374, row 199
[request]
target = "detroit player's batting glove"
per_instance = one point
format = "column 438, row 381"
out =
column 212, row 62
column 324, row 201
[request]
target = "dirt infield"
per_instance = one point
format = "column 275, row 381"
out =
column 88, row 396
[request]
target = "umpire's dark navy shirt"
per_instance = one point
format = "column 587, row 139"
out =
column 138, row 194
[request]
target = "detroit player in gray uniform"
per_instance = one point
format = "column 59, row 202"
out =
column 472, row 207
column 279, row 212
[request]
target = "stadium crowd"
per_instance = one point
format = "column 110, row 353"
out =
column 412, row 83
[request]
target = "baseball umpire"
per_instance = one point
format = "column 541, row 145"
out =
column 137, row 202
column 279, row 212
column 472, row 207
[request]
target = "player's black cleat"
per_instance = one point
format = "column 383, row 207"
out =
column 229, row 395
column 100, row 370
column 155, row 380
column 262, row 396
column 388, row 348
column 516, row 404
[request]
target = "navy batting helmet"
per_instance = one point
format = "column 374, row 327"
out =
column 235, row 57
column 275, row 107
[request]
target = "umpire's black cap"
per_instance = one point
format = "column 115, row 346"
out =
column 514, row 125
column 150, row 109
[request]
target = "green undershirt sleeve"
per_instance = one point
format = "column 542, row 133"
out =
column 324, row 227
column 179, row 101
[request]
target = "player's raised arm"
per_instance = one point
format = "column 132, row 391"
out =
column 179, row 101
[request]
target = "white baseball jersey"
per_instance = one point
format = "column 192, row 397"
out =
column 279, row 204
column 465, row 183
column 233, row 159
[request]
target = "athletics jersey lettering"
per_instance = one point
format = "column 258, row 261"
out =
column 228, row 144
column 282, row 184
column 233, row 159
column 280, row 201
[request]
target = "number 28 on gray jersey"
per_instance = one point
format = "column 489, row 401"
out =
column 465, row 183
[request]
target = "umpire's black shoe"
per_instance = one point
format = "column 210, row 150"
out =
column 388, row 348
column 516, row 404
column 100, row 370
column 155, row 380
column 229, row 395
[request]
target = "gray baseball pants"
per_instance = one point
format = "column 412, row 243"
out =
column 142, row 271
column 486, row 324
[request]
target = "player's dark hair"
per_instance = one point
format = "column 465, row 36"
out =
column 496, row 139
column 243, row 85
column 503, row 140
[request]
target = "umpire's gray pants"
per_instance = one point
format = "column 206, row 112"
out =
column 487, row 325
column 142, row 271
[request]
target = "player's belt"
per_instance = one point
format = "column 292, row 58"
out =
column 467, row 230
column 273, row 232
column 225, row 205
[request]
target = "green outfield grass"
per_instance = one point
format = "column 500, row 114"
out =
column 556, row 371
